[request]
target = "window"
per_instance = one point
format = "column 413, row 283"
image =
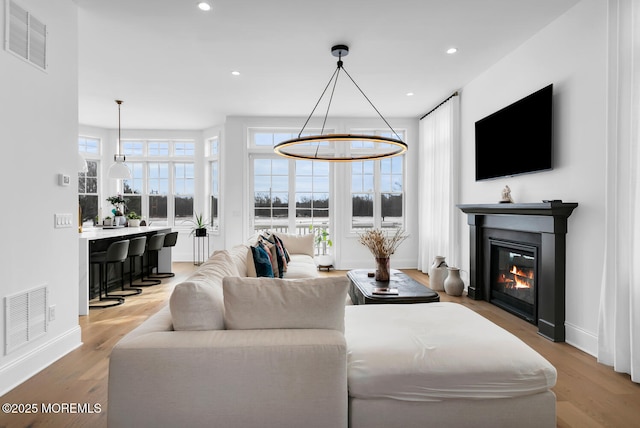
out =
column 88, row 197
column 133, row 148
column 214, row 189
column 183, row 149
column 162, row 184
column 362, row 194
column 133, row 188
column 271, row 194
column 377, row 189
column 183, row 190
column 158, row 189
column 288, row 195
column 312, row 193
column 158, row 148
column 87, row 145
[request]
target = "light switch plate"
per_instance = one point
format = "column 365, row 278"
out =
column 62, row 220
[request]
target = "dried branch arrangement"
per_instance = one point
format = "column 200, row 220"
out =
column 380, row 243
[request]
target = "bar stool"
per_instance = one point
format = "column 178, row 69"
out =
column 154, row 244
column 116, row 253
column 170, row 240
column 136, row 249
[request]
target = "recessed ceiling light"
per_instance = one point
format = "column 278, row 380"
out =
column 203, row 5
column 409, row 94
column 235, row 73
column 451, row 51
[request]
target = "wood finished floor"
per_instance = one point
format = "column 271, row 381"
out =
column 588, row 394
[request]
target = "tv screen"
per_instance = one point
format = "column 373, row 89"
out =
column 516, row 139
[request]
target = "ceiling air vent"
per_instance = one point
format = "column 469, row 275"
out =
column 25, row 36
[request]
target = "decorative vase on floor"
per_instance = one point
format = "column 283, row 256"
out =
column 437, row 274
column 382, row 269
column 453, row 285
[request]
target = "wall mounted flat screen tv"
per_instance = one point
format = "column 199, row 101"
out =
column 516, row 139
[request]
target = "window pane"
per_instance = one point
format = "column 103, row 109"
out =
column 213, row 147
column 134, row 204
column 184, row 149
column 214, row 197
column 157, row 207
column 183, row 207
column 158, row 148
column 263, row 139
column 89, row 145
column 362, row 209
column 391, row 210
column 135, row 183
column 89, row 207
column 132, row 148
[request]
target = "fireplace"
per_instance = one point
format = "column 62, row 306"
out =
column 517, row 260
column 512, row 278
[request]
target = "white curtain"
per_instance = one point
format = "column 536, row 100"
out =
column 619, row 315
column 438, row 184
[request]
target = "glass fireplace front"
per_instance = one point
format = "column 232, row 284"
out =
column 513, row 278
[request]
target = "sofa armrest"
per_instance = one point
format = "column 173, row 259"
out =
column 225, row 378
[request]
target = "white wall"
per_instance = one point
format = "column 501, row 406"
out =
column 38, row 130
column 347, row 251
column 571, row 53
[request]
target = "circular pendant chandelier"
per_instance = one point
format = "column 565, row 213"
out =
column 340, row 147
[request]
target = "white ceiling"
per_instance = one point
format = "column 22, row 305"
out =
column 171, row 63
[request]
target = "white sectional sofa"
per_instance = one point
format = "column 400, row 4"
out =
column 231, row 351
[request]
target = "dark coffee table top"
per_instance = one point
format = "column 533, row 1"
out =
column 409, row 290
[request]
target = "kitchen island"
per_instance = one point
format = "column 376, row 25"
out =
column 98, row 239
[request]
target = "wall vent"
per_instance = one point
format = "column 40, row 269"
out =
column 25, row 36
column 25, row 317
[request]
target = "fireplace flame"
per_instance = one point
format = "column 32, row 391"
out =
column 526, row 273
column 521, row 277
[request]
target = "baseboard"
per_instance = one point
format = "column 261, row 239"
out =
column 18, row 371
column 581, row 339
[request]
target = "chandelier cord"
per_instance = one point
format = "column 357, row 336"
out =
column 316, row 106
column 374, row 107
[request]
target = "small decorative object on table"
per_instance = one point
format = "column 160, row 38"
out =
column 506, row 196
column 134, row 219
column 382, row 246
column 118, row 212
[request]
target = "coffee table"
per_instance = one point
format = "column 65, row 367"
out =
column 409, row 290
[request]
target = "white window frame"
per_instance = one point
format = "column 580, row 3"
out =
column 147, row 158
column 213, row 156
column 377, row 191
column 266, row 152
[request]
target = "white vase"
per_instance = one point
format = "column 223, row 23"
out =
column 453, row 285
column 437, row 273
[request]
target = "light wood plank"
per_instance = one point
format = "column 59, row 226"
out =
column 588, row 394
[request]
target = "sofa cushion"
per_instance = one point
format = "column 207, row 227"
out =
column 262, row 261
column 198, row 304
column 243, row 259
column 265, row 303
column 270, row 248
column 298, row 244
column 437, row 351
column 301, row 266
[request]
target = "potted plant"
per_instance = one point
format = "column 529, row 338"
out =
column 107, row 221
column 322, row 241
column 118, row 211
column 134, row 219
column 200, row 226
